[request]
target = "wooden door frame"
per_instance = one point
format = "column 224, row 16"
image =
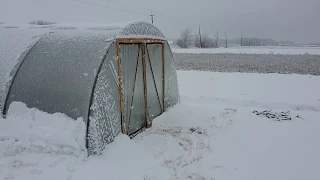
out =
column 142, row 42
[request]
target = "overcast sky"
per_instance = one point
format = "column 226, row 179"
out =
column 297, row 20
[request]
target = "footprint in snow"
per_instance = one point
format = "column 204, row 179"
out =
column 36, row 171
column 228, row 112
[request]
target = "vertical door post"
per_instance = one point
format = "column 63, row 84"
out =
column 163, row 76
column 120, row 87
column 145, row 82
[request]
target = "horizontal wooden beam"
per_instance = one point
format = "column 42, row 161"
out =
column 140, row 40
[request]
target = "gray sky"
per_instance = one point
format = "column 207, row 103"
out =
column 297, row 20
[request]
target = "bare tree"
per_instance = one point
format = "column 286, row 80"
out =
column 200, row 37
column 185, row 39
column 206, row 41
column 226, row 45
column 41, row 22
column 216, row 42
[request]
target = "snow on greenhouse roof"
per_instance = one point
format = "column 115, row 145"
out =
column 16, row 40
column 126, row 29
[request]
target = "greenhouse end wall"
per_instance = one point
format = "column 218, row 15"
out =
column 104, row 122
column 172, row 95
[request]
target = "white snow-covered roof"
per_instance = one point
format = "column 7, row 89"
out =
column 119, row 30
column 16, row 40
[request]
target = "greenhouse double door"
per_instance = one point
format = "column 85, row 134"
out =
column 142, row 78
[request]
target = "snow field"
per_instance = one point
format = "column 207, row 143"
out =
column 292, row 92
column 252, row 50
column 213, row 134
column 250, row 63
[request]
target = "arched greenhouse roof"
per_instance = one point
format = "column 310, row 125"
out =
column 76, row 49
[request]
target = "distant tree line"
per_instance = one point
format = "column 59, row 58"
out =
column 41, row 22
column 38, row 22
column 206, row 41
column 188, row 39
column 185, row 39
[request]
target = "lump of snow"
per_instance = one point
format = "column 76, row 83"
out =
column 40, row 129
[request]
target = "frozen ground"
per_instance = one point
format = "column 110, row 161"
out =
column 253, row 50
column 250, row 63
column 213, row 134
column 273, row 59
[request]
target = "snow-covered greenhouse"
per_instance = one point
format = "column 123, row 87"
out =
column 116, row 77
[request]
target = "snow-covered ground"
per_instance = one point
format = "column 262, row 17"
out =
column 213, row 134
column 252, row 50
column 250, row 63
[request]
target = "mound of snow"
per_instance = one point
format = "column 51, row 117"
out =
column 31, row 129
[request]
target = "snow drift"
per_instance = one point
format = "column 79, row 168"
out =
column 34, row 130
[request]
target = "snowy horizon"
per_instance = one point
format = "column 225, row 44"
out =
column 276, row 19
